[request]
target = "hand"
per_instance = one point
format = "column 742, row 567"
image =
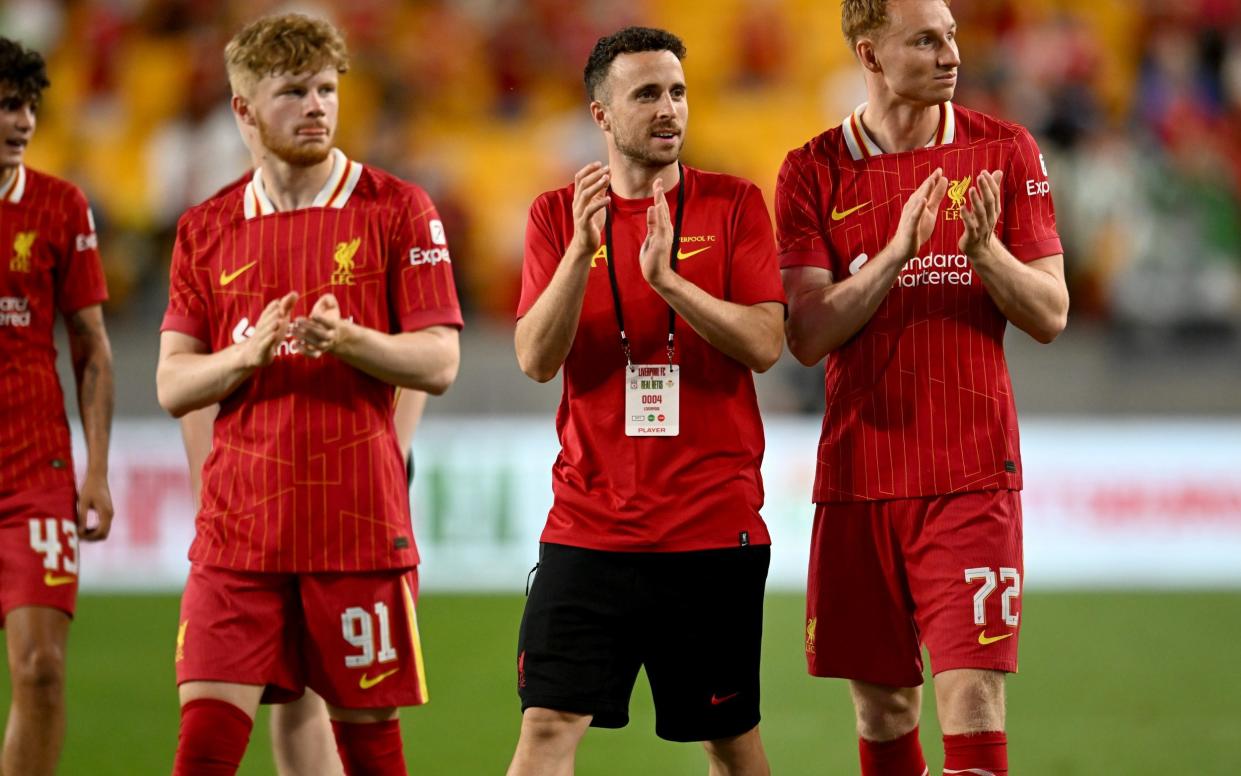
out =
column 919, row 214
column 590, row 202
column 94, row 496
column 982, row 214
column 323, row 330
column 655, row 248
column 270, row 331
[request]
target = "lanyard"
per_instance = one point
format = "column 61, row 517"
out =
column 672, row 261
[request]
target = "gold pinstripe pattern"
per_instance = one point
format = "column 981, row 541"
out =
column 305, row 481
column 35, row 451
column 919, row 403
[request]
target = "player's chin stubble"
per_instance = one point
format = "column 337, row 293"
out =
column 634, row 147
column 290, row 152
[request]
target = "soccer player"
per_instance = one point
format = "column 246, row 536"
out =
column 909, row 237
column 299, row 296
column 655, row 286
column 49, row 263
column 301, row 731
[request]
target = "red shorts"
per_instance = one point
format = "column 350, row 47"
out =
column 39, row 551
column 352, row 638
column 889, row 576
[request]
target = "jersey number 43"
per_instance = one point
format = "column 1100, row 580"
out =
column 46, row 535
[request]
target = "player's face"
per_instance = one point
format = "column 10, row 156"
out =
column 645, row 107
column 295, row 115
column 917, row 51
column 17, row 122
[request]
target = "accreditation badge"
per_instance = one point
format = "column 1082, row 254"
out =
column 652, row 400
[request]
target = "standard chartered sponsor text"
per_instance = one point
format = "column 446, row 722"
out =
column 14, row 311
column 951, row 269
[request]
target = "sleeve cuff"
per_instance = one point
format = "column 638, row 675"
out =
column 1037, row 250
column 424, row 319
column 71, row 306
column 186, row 325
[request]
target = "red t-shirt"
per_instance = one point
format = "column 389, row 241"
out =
column 919, row 402
column 701, row 489
column 305, row 473
column 49, row 262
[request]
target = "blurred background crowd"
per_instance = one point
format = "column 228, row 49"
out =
column 1136, row 105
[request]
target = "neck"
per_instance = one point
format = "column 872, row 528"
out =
column 6, row 174
column 898, row 125
column 290, row 187
column 633, row 181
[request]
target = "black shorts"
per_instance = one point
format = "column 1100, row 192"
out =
column 694, row 620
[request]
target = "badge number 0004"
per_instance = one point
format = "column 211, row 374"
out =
column 652, row 400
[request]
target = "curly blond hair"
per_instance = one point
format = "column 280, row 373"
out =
column 286, row 43
column 863, row 17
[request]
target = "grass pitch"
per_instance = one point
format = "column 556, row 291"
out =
column 1124, row 683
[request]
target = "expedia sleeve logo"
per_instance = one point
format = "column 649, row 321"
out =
column 419, row 255
column 430, row 256
column 90, row 240
column 1037, row 188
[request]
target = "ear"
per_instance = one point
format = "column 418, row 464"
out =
column 242, row 110
column 865, row 51
column 599, row 112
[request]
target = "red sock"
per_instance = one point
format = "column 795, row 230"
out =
column 978, row 754
column 370, row 748
column 213, row 738
column 898, row 757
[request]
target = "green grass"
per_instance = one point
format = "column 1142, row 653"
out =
column 1112, row 683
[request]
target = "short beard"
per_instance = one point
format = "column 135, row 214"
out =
column 636, row 152
column 289, row 152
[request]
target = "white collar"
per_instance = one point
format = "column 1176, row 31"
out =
column 16, row 186
column 334, row 194
column 863, row 146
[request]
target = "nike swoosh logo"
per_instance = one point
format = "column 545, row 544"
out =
column 984, row 639
column 51, row 580
column 716, row 700
column 367, row 683
column 229, row 277
column 682, row 255
column 838, row 215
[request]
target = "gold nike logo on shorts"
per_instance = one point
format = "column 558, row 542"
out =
column 984, row 639
column 366, row 682
column 52, row 580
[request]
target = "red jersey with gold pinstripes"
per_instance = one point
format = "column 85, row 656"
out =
column 49, row 263
column 305, row 474
column 919, row 402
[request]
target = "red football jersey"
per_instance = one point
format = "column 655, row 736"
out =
column 701, row 489
column 919, row 402
column 49, row 263
column 305, row 473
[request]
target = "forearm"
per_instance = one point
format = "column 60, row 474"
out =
column 1033, row 300
column 190, row 381
column 545, row 333
column 93, row 373
column 823, row 318
column 749, row 334
column 196, row 432
column 424, row 360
